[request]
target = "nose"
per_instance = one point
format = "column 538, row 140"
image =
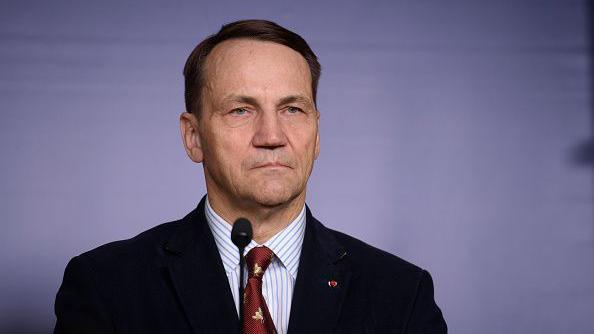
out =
column 269, row 131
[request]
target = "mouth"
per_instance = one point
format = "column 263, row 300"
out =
column 277, row 165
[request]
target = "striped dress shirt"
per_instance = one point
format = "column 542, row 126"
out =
column 279, row 279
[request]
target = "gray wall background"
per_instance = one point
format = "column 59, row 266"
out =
column 449, row 137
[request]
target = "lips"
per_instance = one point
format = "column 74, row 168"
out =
column 271, row 165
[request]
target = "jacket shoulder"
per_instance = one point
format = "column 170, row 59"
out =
column 375, row 260
column 401, row 294
column 145, row 245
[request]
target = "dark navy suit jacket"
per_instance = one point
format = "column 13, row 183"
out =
column 170, row 279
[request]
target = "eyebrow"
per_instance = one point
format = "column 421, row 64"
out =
column 254, row 101
column 241, row 98
column 294, row 98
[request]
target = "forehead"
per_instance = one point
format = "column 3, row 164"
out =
column 251, row 67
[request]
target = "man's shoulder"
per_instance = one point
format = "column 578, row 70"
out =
column 399, row 294
column 374, row 260
column 386, row 277
column 142, row 247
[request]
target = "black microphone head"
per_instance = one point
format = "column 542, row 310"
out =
column 241, row 234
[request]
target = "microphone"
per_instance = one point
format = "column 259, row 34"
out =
column 241, row 235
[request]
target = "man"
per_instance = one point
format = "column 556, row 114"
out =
column 252, row 122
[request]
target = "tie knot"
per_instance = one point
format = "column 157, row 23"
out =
column 257, row 260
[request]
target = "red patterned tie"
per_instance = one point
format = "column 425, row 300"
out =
column 256, row 318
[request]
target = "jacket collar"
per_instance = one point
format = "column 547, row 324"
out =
column 199, row 278
column 322, row 281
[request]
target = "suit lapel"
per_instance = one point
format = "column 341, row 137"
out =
column 199, row 277
column 317, row 302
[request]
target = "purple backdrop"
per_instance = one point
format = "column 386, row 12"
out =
column 447, row 137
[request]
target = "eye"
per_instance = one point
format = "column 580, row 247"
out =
column 293, row 110
column 239, row 111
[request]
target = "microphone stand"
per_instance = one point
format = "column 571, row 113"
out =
column 241, row 263
column 241, row 235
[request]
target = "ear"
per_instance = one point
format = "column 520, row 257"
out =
column 317, row 148
column 190, row 133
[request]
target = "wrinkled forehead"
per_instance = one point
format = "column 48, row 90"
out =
column 255, row 68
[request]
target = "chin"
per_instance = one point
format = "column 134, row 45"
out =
column 272, row 200
column 272, row 195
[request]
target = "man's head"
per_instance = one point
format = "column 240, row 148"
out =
column 259, row 30
column 252, row 119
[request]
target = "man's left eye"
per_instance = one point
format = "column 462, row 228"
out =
column 239, row 111
column 293, row 110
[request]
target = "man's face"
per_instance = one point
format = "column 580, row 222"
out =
column 258, row 130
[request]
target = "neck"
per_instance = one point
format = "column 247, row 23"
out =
column 266, row 220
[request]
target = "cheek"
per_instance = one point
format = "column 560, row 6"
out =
column 231, row 149
column 305, row 143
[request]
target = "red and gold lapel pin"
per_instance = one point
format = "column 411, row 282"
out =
column 332, row 283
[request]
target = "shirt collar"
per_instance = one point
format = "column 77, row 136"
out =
column 286, row 244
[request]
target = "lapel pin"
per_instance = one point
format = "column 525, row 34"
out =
column 332, row 283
